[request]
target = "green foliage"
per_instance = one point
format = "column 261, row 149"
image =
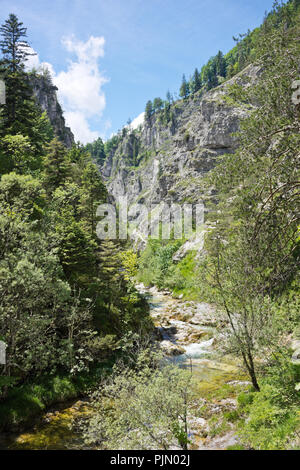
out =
column 144, row 408
column 247, row 49
column 17, row 154
column 130, row 264
column 157, row 104
column 57, row 166
column 111, row 144
column 148, row 112
column 184, row 89
column 269, row 424
column 25, row 403
column 66, row 302
column 156, row 260
column 97, row 150
column 253, row 249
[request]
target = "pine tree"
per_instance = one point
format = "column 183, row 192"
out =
column 210, row 76
column 197, row 81
column 93, row 193
column 184, row 89
column 110, row 273
column 57, row 166
column 220, row 64
column 20, row 109
column 157, row 104
column 97, row 150
column 148, row 112
column 169, row 97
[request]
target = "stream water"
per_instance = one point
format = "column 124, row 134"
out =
column 187, row 334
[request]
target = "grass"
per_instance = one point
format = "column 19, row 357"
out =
column 26, row 402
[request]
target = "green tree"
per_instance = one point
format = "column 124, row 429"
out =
column 148, row 112
column 255, row 246
column 157, row 104
column 97, row 150
column 93, row 193
column 142, row 409
column 184, row 89
column 57, row 166
column 197, row 81
column 19, row 111
column 169, row 97
column 209, row 73
column 220, row 64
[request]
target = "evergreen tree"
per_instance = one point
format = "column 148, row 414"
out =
column 19, row 110
column 110, row 273
column 148, row 112
column 169, row 97
column 93, row 193
column 157, row 104
column 210, row 76
column 97, row 151
column 57, row 166
column 197, row 81
column 184, row 89
column 220, row 64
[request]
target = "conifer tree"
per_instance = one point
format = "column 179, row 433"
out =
column 110, row 273
column 169, row 97
column 57, row 166
column 220, row 64
column 148, row 112
column 157, row 104
column 93, row 192
column 19, row 110
column 184, row 89
column 97, row 150
column 197, row 81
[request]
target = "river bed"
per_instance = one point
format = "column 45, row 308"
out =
column 187, row 334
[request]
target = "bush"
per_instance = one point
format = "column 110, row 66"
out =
column 245, row 399
column 269, row 425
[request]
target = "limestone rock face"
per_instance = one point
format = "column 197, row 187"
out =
column 166, row 161
column 45, row 94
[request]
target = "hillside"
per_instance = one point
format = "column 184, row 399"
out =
column 45, row 94
column 167, row 162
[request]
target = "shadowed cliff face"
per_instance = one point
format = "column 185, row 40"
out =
column 166, row 161
column 45, row 93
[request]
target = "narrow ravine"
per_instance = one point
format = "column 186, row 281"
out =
column 187, row 332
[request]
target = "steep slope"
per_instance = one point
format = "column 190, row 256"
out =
column 46, row 96
column 166, row 162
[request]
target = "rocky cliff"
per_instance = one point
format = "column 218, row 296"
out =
column 45, row 93
column 166, row 161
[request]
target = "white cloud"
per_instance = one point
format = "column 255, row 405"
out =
column 139, row 120
column 88, row 51
column 80, row 126
column 33, row 62
column 80, row 86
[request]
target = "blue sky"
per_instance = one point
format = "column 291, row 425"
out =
column 109, row 57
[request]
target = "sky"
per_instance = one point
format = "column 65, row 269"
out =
column 109, row 57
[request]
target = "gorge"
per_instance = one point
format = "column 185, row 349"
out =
column 172, row 343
